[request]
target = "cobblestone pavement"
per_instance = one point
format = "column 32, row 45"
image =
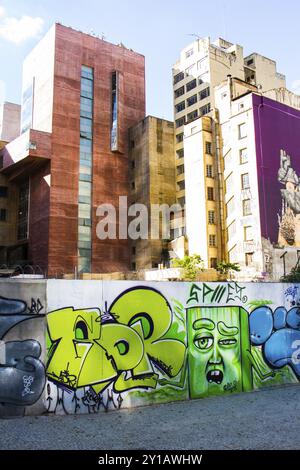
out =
column 268, row 419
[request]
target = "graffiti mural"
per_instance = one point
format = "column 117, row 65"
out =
column 22, row 374
column 122, row 344
column 277, row 128
column 94, row 356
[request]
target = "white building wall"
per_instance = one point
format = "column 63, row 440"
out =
column 232, row 115
column 195, row 192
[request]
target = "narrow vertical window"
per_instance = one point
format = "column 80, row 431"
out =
column 85, row 171
column 23, row 211
column 114, row 112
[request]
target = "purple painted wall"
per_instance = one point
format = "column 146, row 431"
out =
column 277, row 129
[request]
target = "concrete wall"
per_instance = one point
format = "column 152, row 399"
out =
column 118, row 344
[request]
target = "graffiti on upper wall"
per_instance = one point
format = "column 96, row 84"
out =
column 143, row 350
column 22, row 374
column 217, row 293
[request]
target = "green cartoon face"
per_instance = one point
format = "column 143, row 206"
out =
column 215, row 350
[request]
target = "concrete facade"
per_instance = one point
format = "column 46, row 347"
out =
column 152, row 182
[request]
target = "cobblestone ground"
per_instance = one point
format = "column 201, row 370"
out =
column 269, row 419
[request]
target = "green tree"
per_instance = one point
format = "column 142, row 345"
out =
column 293, row 276
column 192, row 266
column 224, row 268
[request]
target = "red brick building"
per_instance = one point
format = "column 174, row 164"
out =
column 81, row 94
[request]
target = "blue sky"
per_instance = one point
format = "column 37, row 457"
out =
column 159, row 29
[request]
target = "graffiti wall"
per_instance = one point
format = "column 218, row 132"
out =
column 22, row 347
column 277, row 130
column 111, row 345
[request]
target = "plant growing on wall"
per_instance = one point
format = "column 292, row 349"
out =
column 192, row 266
column 224, row 268
column 293, row 276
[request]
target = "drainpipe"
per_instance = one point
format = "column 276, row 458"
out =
column 220, row 183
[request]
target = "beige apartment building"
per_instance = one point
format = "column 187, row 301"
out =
column 199, row 141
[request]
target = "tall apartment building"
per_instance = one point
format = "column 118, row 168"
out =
column 81, row 94
column 260, row 154
column 152, row 182
column 202, row 66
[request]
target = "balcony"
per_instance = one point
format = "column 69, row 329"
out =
column 25, row 154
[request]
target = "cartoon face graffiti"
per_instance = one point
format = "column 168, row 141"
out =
column 216, row 349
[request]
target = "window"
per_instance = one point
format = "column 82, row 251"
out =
column 133, row 185
column 192, row 100
column 242, row 131
column 230, row 207
column 246, row 207
column 208, row 148
column 180, row 107
column 191, row 85
column 179, row 92
column 86, row 127
column 189, row 71
column 132, row 144
column 86, row 88
column 178, row 77
column 243, row 156
column 85, row 170
column 204, row 93
column 180, row 185
column 205, row 109
column 250, row 62
column 180, row 122
column 2, row 215
column 133, row 250
column 211, row 217
column 248, row 234
column 180, row 169
column 229, row 183
column 114, row 112
column 209, row 171
column 210, row 193
column 231, row 230
column 249, row 258
column 181, row 201
column 202, row 64
column 245, row 181
column 86, row 107
column 213, row 263
column 180, row 153
column 189, row 53
column 132, row 164
column 193, row 115
column 179, row 138
column 212, row 240
column 3, row 191
column 23, row 210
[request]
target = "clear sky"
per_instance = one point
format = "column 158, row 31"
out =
column 159, row 29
